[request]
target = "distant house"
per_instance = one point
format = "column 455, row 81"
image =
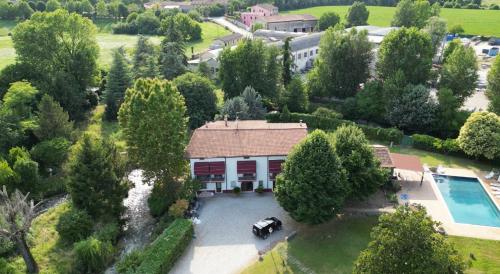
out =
column 184, row 6
column 288, row 22
column 304, row 50
column 259, row 10
column 228, row 40
column 245, row 154
column 210, row 58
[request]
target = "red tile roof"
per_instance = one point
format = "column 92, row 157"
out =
column 244, row 138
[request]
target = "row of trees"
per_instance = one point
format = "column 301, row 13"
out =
column 357, row 15
column 322, row 172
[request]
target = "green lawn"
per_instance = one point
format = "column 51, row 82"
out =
column 108, row 41
column 328, row 248
column 333, row 248
column 486, row 254
column 435, row 159
column 52, row 257
column 477, row 22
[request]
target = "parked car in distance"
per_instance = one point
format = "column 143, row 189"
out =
column 265, row 227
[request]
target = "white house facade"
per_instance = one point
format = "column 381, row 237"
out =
column 245, row 154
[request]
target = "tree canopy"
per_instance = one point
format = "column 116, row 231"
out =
column 493, row 91
column 459, row 73
column 312, row 186
column 61, row 48
column 410, row 13
column 154, row 123
column 117, row 81
column 408, row 50
column 342, row 64
column 328, row 19
column 53, row 121
column 480, row 135
column 200, row 98
column 95, row 178
column 407, row 242
column 253, row 64
column 357, row 15
column 363, row 170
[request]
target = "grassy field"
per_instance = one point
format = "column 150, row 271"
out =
column 333, row 248
column 435, row 159
column 108, row 41
column 476, row 22
column 52, row 257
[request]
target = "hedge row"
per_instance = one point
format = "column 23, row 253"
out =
column 162, row 254
column 433, row 144
column 325, row 123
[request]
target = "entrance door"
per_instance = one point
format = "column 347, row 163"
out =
column 218, row 187
column 247, row 186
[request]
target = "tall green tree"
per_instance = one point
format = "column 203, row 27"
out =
column 52, row 5
column 459, row 73
column 201, row 102
column 493, row 91
column 407, row 50
column 363, row 170
column 52, row 120
column 410, row 13
column 153, row 119
column 449, row 118
column 101, row 9
column 256, row 110
column 20, row 100
column 95, row 180
column 436, row 28
column 287, row 63
column 238, row 69
column 235, row 107
column 312, row 187
column 357, row 15
column 61, row 48
column 328, row 19
column 407, row 242
column 295, row 96
column 414, row 110
column 173, row 61
column 342, row 64
column 480, row 135
column 117, row 82
column 144, row 61
column 371, row 102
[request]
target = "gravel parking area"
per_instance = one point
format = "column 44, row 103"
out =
column 224, row 241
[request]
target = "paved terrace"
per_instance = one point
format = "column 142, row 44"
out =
column 429, row 196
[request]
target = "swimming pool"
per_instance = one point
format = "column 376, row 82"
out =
column 467, row 201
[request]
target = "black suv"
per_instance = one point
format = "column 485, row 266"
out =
column 264, row 228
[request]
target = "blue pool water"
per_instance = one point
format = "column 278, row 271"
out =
column 467, row 201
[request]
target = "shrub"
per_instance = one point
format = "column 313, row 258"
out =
column 161, row 255
column 108, row 232
column 51, row 153
column 382, row 134
column 429, row 143
column 326, row 113
column 178, row 208
column 5, row 267
column 237, row 190
column 6, row 247
column 448, row 5
column 130, row 262
column 74, row 225
column 494, row 7
column 92, row 255
column 259, row 189
column 162, row 197
column 125, row 28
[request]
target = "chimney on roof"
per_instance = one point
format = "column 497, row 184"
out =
column 236, row 121
column 300, row 123
column 225, row 120
column 206, row 124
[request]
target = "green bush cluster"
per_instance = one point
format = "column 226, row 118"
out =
column 92, row 255
column 333, row 121
column 429, row 143
column 161, row 255
column 74, row 225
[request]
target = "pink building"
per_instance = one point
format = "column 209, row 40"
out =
column 256, row 11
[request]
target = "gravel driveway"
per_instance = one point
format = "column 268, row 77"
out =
column 224, row 241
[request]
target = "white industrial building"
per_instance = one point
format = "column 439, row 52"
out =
column 245, row 154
